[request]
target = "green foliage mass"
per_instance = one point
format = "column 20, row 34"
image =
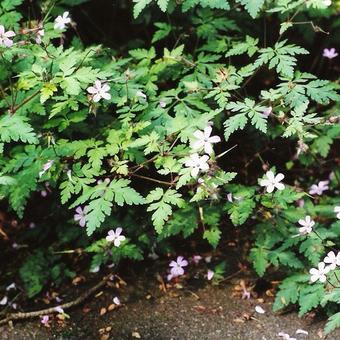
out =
column 110, row 137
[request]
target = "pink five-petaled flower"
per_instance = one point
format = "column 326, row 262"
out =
column 61, row 21
column 307, row 225
column 319, row 273
column 80, row 215
column 45, row 319
column 210, row 274
column 4, row 37
column 318, row 189
column 99, row 91
column 46, row 167
column 337, row 211
column 332, row 260
column 197, row 163
column 177, row 266
column 204, row 140
column 115, row 237
column 271, row 181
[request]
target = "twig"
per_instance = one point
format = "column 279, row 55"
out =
column 78, row 301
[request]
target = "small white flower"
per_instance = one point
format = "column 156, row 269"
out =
column 210, row 274
column 318, row 189
column 337, row 211
column 332, row 260
column 62, row 21
column 94, row 269
column 4, row 37
column 11, row 286
column 327, row 3
column 271, row 181
column 319, row 273
column 4, row 301
column 162, row 104
column 259, row 310
column 115, row 237
column 99, row 91
column 116, row 301
column 285, row 336
column 197, row 163
column 141, row 94
column 204, row 140
column 307, row 225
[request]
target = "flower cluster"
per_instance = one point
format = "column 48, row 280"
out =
column 203, row 141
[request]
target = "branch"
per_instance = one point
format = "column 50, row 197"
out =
column 78, row 301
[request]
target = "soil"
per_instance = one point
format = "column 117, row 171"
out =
column 188, row 310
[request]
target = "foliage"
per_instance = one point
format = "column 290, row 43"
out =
column 108, row 137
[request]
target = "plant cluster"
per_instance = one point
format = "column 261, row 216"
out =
column 209, row 122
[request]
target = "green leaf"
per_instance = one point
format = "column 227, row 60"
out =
column 310, row 297
column 259, row 257
column 213, row 236
column 47, row 91
column 163, row 31
column 252, row 6
column 163, row 208
column 139, row 6
column 332, row 323
column 15, row 128
column 163, row 4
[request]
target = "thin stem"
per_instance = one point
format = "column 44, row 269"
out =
column 152, row 179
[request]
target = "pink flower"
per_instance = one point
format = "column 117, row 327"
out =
column 267, row 112
column 329, row 53
column 196, row 259
column 115, row 237
column 210, row 274
column 39, row 35
column 332, row 260
column 177, row 266
column 4, row 37
column 99, row 91
column 81, row 215
column 46, row 167
column 45, row 319
column 318, row 189
column 162, row 104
